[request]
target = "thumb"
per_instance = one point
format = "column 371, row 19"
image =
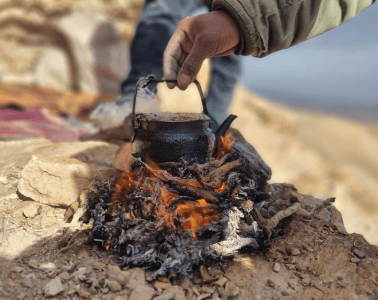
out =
column 192, row 64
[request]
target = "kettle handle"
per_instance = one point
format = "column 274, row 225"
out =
column 151, row 79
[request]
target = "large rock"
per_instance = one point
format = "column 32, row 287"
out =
column 56, row 181
column 75, row 46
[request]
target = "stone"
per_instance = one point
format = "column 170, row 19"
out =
column 270, row 283
column 190, row 295
column 306, row 281
column 208, row 289
column 121, row 297
column 84, row 293
column 221, row 281
column 169, row 296
column 205, row 275
column 284, row 293
column 48, row 266
column 176, row 291
column 355, row 260
column 231, row 289
column 203, row 296
column 137, row 277
column 115, row 273
column 294, row 251
column 18, row 269
column 359, row 253
column 27, row 282
column 56, row 181
column 98, row 265
column 113, row 285
column 53, row 287
column 186, row 283
column 162, row 285
column 216, row 297
column 142, row 292
column 276, row 267
column 32, row 210
column 64, row 276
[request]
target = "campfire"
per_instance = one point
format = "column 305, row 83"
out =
column 190, row 197
column 173, row 216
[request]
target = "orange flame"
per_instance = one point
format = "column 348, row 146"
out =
column 198, row 213
column 222, row 188
column 107, row 247
column 235, row 192
column 225, row 145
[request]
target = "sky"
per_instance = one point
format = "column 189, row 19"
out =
column 336, row 71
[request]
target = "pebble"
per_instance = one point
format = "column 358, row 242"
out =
column 231, row 289
column 169, row 296
column 115, row 273
column 342, row 284
column 221, row 281
column 270, row 283
column 197, row 280
column 48, row 266
column 142, row 292
column 340, row 277
column 276, row 267
column 295, row 251
column 84, row 293
column 203, row 296
column 149, row 276
column 18, row 269
column 98, row 265
column 284, row 293
column 216, row 297
column 291, row 260
column 82, row 270
column 208, row 289
column 190, row 295
column 64, row 276
column 3, row 180
column 290, row 267
column 195, row 290
column 27, row 282
column 32, row 211
column 137, row 277
column 186, row 283
column 162, row 285
column 306, row 281
column 355, row 260
column 359, row 253
column 113, row 285
column 205, row 275
column 121, row 297
column 53, row 287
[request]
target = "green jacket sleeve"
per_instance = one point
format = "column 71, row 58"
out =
column 267, row 26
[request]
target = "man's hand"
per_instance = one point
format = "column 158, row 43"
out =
column 195, row 39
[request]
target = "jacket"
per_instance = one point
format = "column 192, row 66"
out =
column 267, row 26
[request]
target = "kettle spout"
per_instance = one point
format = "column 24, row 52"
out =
column 223, row 129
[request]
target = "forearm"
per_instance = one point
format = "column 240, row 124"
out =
column 267, row 26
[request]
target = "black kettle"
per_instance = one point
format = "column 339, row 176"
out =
column 166, row 137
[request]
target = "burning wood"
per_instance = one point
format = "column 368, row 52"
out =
column 170, row 217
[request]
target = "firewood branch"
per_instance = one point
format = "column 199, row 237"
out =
column 199, row 193
column 269, row 224
column 214, row 178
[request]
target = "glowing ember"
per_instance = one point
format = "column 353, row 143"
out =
column 235, row 192
column 225, row 145
column 222, row 188
column 198, row 213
